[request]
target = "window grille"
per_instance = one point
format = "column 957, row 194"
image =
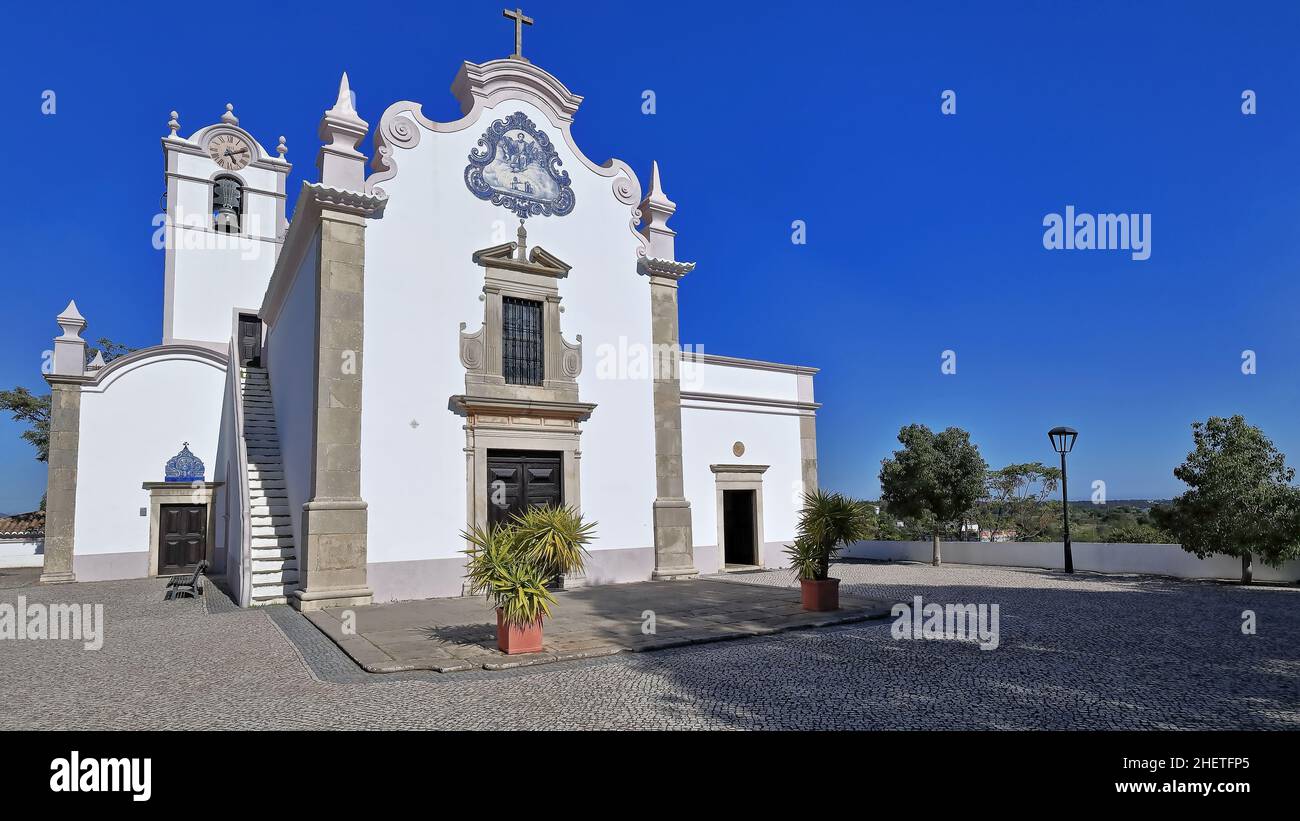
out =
column 521, row 341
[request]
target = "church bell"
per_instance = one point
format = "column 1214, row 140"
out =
column 225, row 203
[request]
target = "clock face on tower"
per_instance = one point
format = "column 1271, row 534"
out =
column 230, row 152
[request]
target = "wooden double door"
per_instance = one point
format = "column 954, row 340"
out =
column 183, row 538
column 520, row 479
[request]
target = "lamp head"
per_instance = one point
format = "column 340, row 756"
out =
column 1063, row 438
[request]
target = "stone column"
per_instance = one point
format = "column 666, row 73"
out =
column 807, row 430
column 332, row 553
column 674, row 541
column 69, row 374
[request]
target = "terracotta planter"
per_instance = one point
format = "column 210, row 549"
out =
column 516, row 638
column 820, row 595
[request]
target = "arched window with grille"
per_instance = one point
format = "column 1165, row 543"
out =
column 227, row 204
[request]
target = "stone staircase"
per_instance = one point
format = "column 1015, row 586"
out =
column 275, row 558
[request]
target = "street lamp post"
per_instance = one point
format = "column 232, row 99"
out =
column 1063, row 442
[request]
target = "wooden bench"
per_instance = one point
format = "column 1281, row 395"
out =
column 191, row 586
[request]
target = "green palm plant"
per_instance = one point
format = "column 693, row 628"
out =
column 827, row 522
column 511, row 563
column 553, row 539
column 499, row 570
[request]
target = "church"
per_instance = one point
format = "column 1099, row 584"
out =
column 461, row 319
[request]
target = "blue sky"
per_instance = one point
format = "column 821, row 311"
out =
column 924, row 231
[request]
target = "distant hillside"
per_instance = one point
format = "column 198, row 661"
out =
column 1136, row 504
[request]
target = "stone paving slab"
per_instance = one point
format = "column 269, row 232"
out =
column 453, row 635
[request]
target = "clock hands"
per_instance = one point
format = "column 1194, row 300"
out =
column 232, row 154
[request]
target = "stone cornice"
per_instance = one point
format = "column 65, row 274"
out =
column 323, row 197
column 245, row 187
column 735, row 399
column 66, row 379
column 99, row 378
column 499, row 79
column 184, row 486
column 471, row 405
column 753, row 364
column 760, row 469
column 670, row 269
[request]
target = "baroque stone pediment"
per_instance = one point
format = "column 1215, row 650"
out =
column 539, row 261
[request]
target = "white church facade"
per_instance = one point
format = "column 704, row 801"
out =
column 474, row 318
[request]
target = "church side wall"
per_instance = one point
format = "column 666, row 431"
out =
column 420, row 285
column 770, row 435
column 291, row 368
column 131, row 424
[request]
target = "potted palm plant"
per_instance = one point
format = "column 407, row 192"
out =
column 554, row 539
column 827, row 522
column 514, row 562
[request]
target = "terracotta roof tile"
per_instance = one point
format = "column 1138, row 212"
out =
column 23, row 524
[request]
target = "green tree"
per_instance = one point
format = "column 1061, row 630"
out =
column 1016, row 496
column 941, row 475
column 1136, row 533
column 1241, row 501
column 33, row 409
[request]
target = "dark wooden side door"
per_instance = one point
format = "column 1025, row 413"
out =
column 183, row 538
column 519, row 479
column 738, row 526
column 250, row 340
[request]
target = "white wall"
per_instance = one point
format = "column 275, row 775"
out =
column 22, row 552
column 291, row 363
column 739, row 380
column 131, row 424
column 421, row 284
column 770, row 434
column 1157, row 559
column 215, row 273
column 770, row 439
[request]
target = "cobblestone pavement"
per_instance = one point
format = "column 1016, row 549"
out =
column 1092, row 652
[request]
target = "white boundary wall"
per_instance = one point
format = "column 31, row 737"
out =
column 1156, row 559
column 22, row 552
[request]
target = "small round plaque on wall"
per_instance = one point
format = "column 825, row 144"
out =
column 738, row 449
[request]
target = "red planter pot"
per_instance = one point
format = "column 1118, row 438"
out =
column 517, row 638
column 820, row 595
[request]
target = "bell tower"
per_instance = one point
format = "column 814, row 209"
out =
column 223, row 223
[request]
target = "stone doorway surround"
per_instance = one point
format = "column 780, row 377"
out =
column 740, row 477
column 180, row 493
column 500, row 424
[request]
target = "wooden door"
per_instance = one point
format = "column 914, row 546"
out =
column 250, row 340
column 518, row 480
column 182, row 538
